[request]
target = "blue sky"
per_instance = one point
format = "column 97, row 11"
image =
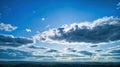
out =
column 43, row 29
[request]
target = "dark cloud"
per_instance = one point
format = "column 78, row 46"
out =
column 115, row 51
column 13, row 54
column 112, row 52
column 18, row 54
column 115, row 57
column 37, row 47
column 52, row 51
column 98, row 50
column 109, row 54
column 9, row 40
column 86, row 53
column 71, row 50
column 102, row 30
column 94, row 46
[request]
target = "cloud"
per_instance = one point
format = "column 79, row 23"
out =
column 70, row 50
column 43, row 19
column 86, row 53
column 118, row 5
column 37, row 47
column 9, row 40
column 69, row 55
column 24, row 54
column 113, row 52
column 94, row 46
column 13, row 54
column 47, row 26
column 52, row 51
column 28, row 30
column 106, row 29
column 98, row 50
column 7, row 27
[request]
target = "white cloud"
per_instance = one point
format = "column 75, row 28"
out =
column 7, row 27
column 43, row 19
column 48, row 26
column 49, row 54
column 105, row 29
column 28, row 30
column 118, row 5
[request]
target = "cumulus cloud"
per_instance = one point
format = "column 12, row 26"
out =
column 7, row 27
column 28, row 30
column 9, row 40
column 106, row 29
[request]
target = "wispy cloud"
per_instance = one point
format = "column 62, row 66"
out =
column 47, row 26
column 7, row 27
column 13, row 54
column 105, row 29
column 39, row 53
column 118, row 5
column 28, row 30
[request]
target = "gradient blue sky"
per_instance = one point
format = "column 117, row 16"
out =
column 41, row 15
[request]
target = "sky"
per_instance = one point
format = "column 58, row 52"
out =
column 60, row 30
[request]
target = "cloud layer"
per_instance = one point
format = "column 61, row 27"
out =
column 7, row 27
column 65, row 54
column 105, row 29
column 9, row 40
column 13, row 54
